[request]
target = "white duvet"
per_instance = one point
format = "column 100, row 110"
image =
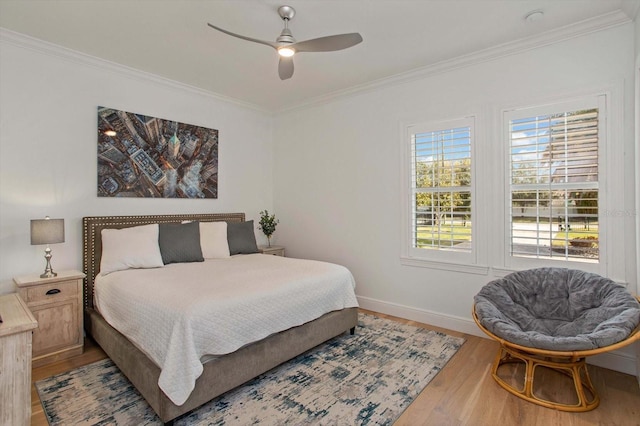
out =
column 181, row 312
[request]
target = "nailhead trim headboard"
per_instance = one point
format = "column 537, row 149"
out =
column 92, row 237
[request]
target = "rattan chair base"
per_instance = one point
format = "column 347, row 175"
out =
column 570, row 363
column 576, row 369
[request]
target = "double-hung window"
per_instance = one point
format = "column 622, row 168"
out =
column 554, row 188
column 439, row 208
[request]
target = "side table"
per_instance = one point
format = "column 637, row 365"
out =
column 273, row 250
column 56, row 303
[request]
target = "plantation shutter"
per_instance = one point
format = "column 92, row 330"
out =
column 554, row 185
column 441, row 184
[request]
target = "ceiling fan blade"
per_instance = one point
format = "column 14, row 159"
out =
column 285, row 67
column 329, row 43
column 255, row 40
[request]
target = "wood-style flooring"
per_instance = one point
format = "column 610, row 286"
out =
column 463, row 393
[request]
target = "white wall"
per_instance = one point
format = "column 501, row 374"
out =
column 337, row 168
column 637, row 180
column 48, row 148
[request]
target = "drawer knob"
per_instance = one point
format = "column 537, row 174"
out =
column 53, row 291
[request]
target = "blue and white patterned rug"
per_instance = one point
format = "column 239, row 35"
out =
column 369, row 378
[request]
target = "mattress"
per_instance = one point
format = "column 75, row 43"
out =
column 181, row 313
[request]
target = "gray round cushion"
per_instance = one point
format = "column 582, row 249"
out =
column 557, row 309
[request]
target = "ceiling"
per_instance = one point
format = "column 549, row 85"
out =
column 170, row 38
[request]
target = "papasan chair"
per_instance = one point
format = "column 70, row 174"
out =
column 555, row 318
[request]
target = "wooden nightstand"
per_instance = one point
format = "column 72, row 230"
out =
column 57, row 305
column 15, row 360
column 274, row 250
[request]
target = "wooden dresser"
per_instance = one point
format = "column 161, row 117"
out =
column 15, row 361
column 57, row 305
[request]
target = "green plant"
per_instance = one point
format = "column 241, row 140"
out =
column 268, row 224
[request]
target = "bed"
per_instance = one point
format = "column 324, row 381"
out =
column 227, row 369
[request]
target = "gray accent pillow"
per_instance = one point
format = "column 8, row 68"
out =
column 180, row 242
column 241, row 238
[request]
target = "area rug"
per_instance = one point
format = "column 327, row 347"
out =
column 368, row 378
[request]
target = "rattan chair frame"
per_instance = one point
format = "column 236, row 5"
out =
column 569, row 363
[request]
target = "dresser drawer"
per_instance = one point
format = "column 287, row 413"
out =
column 52, row 292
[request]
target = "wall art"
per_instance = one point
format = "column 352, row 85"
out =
column 142, row 156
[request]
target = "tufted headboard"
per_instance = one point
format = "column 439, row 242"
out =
column 92, row 237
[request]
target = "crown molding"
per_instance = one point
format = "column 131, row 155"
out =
column 631, row 8
column 44, row 47
column 578, row 29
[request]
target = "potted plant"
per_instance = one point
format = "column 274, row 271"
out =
column 268, row 224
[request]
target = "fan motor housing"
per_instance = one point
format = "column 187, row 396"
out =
column 286, row 37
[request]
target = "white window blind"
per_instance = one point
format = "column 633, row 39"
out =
column 554, row 185
column 441, row 188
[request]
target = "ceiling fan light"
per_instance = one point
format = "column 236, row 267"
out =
column 286, row 52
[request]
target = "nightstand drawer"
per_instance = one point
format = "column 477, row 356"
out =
column 52, row 292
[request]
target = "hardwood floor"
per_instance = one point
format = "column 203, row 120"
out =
column 92, row 353
column 463, row 393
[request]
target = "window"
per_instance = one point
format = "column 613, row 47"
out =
column 441, row 192
column 554, row 182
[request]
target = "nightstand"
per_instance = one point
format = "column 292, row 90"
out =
column 15, row 360
column 274, row 250
column 56, row 303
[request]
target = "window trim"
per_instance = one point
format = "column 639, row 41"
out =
column 435, row 258
column 599, row 100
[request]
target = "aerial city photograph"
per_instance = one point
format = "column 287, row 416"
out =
column 143, row 156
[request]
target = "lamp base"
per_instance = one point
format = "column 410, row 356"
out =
column 48, row 270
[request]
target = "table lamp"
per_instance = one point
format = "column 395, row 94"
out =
column 47, row 231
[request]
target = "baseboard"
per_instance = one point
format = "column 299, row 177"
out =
column 616, row 360
column 451, row 322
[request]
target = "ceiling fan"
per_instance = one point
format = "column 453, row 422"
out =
column 287, row 46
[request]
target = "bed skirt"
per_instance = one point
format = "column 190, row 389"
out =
column 222, row 373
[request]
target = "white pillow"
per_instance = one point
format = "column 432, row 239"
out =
column 213, row 240
column 126, row 248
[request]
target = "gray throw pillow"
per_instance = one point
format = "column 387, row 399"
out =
column 180, row 242
column 241, row 238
